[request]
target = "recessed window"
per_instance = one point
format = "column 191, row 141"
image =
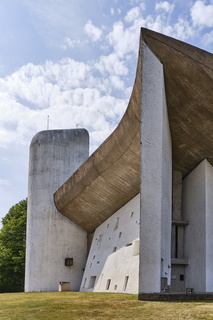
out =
column 116, row 223
column 108, row 284
column 85, row 281
column 108, row 225
column 92, row 282
column 99, row 240
column 114, row 249
column 128, row 244
column 181, row 277
column 126, row 282
column 132, row 214
column 94, row 257
column 120, row 234
column 115, row 287
column 68, row 262
column 136, row 248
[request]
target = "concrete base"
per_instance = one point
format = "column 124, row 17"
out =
column 175, row 296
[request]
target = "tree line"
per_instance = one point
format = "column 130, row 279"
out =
column 12, row 248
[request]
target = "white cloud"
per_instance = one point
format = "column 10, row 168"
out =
column 132, row 14
column 164, row 5
column 112, row 64
column 125, row 40
column 183, row 30
column 92, row 31
column 70, row 92
column 69, row 43
column 112, row 11
column 202, row 15
column 207, row 38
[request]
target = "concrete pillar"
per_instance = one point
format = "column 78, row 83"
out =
column 156, row 178
column 198, row 208
column 194, row 210
column 51, row 237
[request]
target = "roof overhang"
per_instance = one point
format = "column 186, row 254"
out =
column 111, row 175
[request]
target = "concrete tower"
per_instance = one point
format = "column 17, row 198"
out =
column 56, row 247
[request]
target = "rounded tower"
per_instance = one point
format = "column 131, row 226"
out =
column 56, row 247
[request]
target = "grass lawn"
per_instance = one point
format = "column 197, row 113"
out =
column 101, row 306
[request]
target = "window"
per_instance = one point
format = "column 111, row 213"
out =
column 114, row 249
column 128, row 244
column 136, row 248
column 99, row 240
column 108, row 284
column 126, row 282
column 92, row 282
column 181, row 277
column 116, row 224
column 120, row 234
column 85, row 280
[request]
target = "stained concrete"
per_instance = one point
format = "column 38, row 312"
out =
column 156, row 178
column 51, row 237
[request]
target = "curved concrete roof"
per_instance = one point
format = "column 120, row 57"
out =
column 111, row 175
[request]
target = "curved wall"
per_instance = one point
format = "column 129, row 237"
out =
column 51, row 237
column 113, row 261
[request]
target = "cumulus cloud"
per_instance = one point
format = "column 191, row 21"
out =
column 69, row 43
column 72, row 93
column 202, row 15
column 82, row 94
column 132, row 14
column 112, row 64
column 92, row 31
column 164, row 5
column 207, row 38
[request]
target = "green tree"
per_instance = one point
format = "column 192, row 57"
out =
column 12, row 248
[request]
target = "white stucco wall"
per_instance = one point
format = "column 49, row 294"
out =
column 194, row 211
column 51, row 237
column 114, row 253
column 156, row 177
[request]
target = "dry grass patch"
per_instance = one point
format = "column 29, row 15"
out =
column 101, row 306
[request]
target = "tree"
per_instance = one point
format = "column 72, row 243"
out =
column 12, row 248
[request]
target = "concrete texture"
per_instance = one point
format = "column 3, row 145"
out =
column 51, row 237
column 156, row 178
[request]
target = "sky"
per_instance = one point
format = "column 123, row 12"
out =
column 71, row 64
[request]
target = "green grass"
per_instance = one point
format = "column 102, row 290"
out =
column 101, row 306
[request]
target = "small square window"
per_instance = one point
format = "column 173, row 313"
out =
column 181, row 277
column 68, row 262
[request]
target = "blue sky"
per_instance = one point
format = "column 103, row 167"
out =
column 74, row 61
